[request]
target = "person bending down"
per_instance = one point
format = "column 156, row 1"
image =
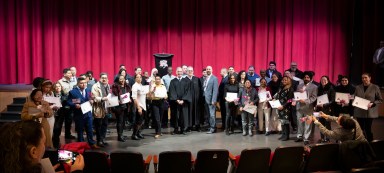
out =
column 349, row 128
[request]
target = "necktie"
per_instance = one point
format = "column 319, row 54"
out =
column 205, row 83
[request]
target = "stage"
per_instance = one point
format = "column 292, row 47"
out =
column 193, row 141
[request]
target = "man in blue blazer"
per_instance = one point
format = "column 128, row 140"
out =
column 210, row 87
column 77, row 96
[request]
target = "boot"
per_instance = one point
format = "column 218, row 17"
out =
column 282, row 133
column 250, row 131
column 139, row 134
column 244, row 130
column 227, row 132
column 134, row 132
column 120, row 138
column 286, row 132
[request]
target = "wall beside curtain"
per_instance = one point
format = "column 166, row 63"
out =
column 41, row 37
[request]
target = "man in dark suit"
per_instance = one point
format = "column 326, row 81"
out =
column 221, row 99
column 272, row 69
column 295, row 71
column 76, row 97
column 378, row 60
column 210, row 91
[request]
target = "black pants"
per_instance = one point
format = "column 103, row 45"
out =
column 223, row 112
column 293, row 120
column 231, row 110
column 100, row 125
column 173, row 108
column 64, row 115
column 120, row 114
column 366, row 126
column 157, row 112
column 164, row 118
column 182, row 117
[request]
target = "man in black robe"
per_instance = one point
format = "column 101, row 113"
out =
column 179, row 94
column 194, row 106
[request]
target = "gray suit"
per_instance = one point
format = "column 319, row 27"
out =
column 305, row 130
column 372, row 94
column 210, row 88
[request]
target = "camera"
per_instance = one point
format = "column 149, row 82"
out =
column 67, row 156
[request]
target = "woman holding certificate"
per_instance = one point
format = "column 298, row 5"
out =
column 139, row 92
column 343, row 105
column 157, row 95
column 285, row 96
column 38, row 110
column 121, row 89
column 369, row 93
column 231, row 92
column 325, row 100
column 247, row 99
column 263, row 108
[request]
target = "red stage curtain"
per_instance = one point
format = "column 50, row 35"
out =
column 41, row 37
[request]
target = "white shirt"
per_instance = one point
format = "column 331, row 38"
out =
column 139, row 95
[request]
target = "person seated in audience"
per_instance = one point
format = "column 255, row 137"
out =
column 349, row 128
column 38, row 110
column 22, row 148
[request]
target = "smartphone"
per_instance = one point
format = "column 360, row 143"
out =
column 67, row 156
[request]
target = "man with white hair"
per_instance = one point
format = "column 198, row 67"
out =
column 210, row 91
column 194, row 115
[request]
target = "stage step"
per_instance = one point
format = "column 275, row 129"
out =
column 15, row 107
column 19, row 100
column 11, row 115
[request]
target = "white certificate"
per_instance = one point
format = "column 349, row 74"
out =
column 257, row 81
column 323, row 99
column 86, row 107
column 53, row 100
column 300, row 95
column 342, row 96
column 250, row 108
column 361, row 103
column 160, row 93
column 112, row 101
column 125, row 98
column 145, row 89
column 264, row 96
column 231, row 96
column 275, row 103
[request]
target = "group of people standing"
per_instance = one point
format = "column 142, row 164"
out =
column 192, row 102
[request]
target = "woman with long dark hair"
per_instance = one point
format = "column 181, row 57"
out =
column 247, row 96
column 285, row 96
column 344, row 107
column 230, row 105
column 325, row 87
column 119, row 88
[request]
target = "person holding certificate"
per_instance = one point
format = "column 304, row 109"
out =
column 247, row 97
column 263, row 108
column 139, row 98
column 157, row 95
column 325, row 88
column 344, row 106
column 285, row 96
column 121, row 89
column 100, row 92
column 370, row 92
column 274, row 86
column 38, row 110
column 231, row 92
column 77, row 96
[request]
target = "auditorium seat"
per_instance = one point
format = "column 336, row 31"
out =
column 378, row 148
column 323, row 157
column 173, row 162
column 212, row 160
column 251, row 160
column 287, row 160
column 127, row 161
column 96, row 161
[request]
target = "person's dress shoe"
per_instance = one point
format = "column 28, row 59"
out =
column 70, row 137
column 211, row 131
column 227, row 132
column 100, row 144
column 120, row 139
column 299, row 140
column 140, row 136
column 104, row 143
column 94, row 146
column 134, row 137
column 267, row 133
